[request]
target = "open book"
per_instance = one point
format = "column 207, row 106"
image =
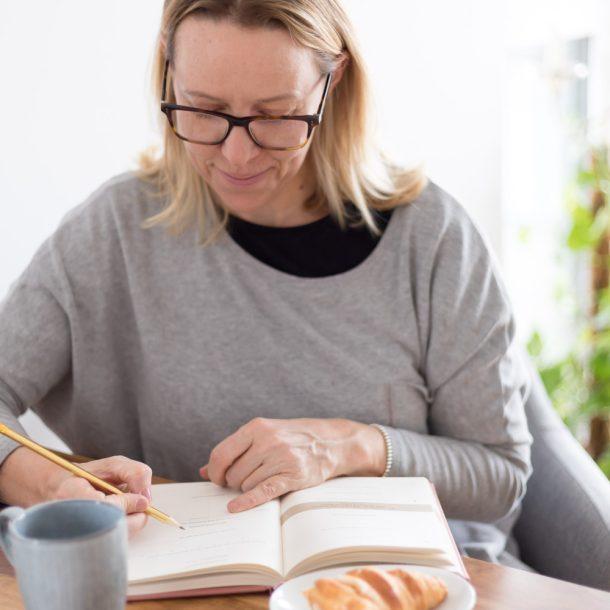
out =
column 344, row 521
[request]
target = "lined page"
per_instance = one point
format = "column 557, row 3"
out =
column 362, row 512
column 213, row 537
column 375, row 491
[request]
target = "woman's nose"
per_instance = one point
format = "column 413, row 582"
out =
column 239, row 148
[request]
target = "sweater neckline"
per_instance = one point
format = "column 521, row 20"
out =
column 259, row 229
column 351, row 275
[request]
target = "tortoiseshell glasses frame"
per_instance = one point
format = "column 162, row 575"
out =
column 312, row 120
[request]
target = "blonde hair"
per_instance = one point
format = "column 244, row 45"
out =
column 347, row 164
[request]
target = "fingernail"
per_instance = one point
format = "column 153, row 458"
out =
column 235, row 506
column 147, row 493
column 141, row 504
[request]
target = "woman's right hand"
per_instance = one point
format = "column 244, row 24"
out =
column 131, row 477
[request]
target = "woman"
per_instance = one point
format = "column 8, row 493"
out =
column 311, row 312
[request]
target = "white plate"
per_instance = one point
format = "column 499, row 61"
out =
column 289, row 596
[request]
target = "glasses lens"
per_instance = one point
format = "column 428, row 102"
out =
column 199, row 126
column 279, row 133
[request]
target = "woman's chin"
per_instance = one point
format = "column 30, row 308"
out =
column 244, row 205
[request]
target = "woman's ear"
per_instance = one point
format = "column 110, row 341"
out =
column 342, row 63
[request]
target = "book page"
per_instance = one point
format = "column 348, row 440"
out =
column 363, row 513
column 372, row 490
column 213, row 537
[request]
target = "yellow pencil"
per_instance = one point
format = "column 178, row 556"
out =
column 80, row 472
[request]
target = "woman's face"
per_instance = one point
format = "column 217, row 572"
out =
column 224, row 67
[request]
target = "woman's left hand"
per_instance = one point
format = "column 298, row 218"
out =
column 267, row 458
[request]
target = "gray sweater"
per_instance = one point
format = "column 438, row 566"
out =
column 132, row 341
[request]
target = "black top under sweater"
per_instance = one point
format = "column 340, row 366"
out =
column 318, row 249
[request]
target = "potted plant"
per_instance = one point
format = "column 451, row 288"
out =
column 579, row 383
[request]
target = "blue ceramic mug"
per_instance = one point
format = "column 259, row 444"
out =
column 68, row 554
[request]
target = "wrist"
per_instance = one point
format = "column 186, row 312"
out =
column 364, row 451
column 389, row 453
column 27, row 478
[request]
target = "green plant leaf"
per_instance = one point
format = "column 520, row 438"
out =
column 584, row 233
column 586, row 177
column 551, row 377
column 600, row 364
column 535, row 345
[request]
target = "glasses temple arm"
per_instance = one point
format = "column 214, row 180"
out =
column 164, row 80
column 324, row 95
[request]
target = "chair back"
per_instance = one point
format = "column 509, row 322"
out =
column 563, row 530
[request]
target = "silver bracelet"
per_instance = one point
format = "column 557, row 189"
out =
column 388, row 449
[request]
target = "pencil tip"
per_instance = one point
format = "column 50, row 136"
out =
column 182, row 527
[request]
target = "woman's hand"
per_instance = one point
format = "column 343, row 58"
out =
column 131, row 477
column 267, row 458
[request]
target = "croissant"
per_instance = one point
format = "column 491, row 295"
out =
column 375, row 589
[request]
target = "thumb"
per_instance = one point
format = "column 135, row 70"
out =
column 130, row 503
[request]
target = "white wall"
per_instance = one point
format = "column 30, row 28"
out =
column 74, row 111
column 540, row 150
column 75, row 92
column 437, row 71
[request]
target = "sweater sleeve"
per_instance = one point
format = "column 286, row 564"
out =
column 477, row 452
column 34, row 340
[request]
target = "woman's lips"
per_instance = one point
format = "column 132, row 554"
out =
column 245, row 181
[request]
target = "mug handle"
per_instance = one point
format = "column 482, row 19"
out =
column 6, row 517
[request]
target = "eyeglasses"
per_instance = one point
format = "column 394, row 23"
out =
column 270, row 132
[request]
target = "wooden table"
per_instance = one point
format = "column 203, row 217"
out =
column 497, row 587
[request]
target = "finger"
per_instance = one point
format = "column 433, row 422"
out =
column 119, row 469
column 226, row 452
column 272, row 487
column 130, row 503
column 136, row 475
column 244, row 467
column 264, row 472
column 136, row 522
column 203, row 471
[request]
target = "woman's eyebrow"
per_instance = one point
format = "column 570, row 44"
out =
column 275, row 98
